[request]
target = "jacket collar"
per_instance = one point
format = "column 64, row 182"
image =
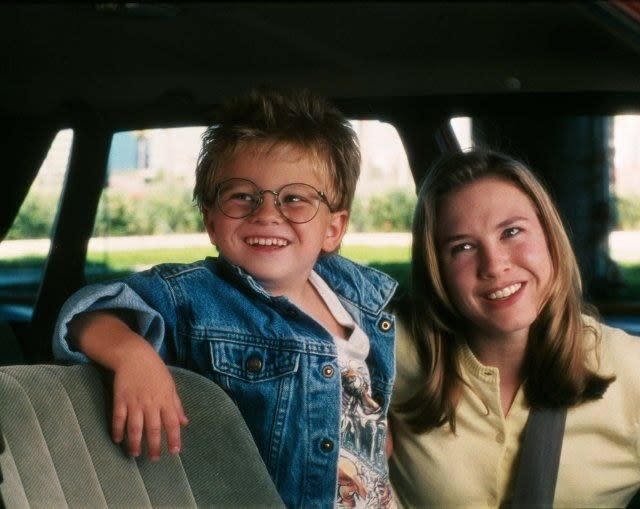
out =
column 365, row 287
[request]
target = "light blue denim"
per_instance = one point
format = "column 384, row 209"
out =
column 269, row 356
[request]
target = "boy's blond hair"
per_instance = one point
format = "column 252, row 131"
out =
column 298, row 118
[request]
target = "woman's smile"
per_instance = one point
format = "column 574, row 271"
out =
column 505, row 292
column 495, row 261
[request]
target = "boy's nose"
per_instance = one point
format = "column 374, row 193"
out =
column 267, row 210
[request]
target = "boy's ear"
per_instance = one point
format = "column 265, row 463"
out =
column 208, row 224
column 336, row 229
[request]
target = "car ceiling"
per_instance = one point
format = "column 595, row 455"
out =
column 122, row 56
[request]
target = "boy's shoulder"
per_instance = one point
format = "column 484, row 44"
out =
column 172, row 270
column 366, row 286
column 207, row 268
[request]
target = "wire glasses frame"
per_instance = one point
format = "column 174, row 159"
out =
column 298, row 203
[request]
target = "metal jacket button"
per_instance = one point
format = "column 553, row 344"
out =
column 326, row 445
column 328, row 371
column 254, row 364
column 385, row 325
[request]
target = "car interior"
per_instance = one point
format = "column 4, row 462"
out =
column 543, row 81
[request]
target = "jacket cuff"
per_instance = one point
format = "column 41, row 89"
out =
column 114, row 297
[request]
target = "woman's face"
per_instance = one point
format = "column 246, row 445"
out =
column 494, row 257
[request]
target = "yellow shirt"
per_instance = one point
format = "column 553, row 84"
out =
column 600, row 459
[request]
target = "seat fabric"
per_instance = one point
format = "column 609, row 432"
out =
column 58, row 451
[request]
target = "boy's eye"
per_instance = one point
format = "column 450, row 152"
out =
column 291, row 198
column 295, row 199
column 247, row 197
column 511, row 232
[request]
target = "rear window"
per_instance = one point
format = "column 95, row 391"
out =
column 24, row 251
column 146, row 215
column 600, row 192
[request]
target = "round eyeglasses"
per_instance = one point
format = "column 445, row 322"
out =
column 298, row 203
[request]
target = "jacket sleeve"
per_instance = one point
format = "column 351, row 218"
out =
column 115, row 296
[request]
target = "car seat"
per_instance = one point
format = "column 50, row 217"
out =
column 58, row 451
column 10, row 352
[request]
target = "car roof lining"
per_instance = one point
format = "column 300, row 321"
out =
column 122, row 57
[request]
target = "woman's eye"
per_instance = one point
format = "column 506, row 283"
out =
column 511, row 232
column 460, row 248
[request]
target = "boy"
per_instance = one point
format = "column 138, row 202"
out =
column 296, row 335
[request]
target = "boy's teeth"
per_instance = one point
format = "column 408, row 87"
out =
column 505, row 292
column 264, row 241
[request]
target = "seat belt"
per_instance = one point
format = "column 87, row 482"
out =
column 2, row 506
column 535, row 483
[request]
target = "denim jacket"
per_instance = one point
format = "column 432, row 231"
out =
column 270, row 357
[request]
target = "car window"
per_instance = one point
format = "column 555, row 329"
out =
column 24, row 250
column 146, row 215
column 620, row 208
column 462, row 129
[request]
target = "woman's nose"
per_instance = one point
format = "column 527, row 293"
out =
column 494, row 260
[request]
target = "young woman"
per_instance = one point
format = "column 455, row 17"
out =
column 497, row 326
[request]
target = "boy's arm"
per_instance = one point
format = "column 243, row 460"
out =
column 148, row 322
column 145, row 397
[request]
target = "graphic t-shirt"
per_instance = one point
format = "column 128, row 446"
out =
column 363, row 476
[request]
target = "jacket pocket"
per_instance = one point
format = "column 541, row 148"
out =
column 252, row 363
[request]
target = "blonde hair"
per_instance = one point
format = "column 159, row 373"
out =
column 297, row 117
column 556, row 371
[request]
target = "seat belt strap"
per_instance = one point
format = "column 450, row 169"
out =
column 537, row 473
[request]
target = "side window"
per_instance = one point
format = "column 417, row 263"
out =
column 24, row 251
column 462, row 129
column 624, row 239
column 614, row 207
column 146, row 215
column 379, row 232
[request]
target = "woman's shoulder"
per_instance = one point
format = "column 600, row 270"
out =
column 618, row 351
column 614, row 338
column 408, row 367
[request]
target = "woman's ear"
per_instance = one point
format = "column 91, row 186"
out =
column 336, row 229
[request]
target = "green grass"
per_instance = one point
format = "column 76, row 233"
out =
column 119, row 260
column 23, row 262
column 377, row 254
column 393, row 260
column 123, row 260
column 129, row 260
column 631, row 276
column 390, row 259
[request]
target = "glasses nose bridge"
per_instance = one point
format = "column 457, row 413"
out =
column 276, row 197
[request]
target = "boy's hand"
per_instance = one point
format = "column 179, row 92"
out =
column 145, row 402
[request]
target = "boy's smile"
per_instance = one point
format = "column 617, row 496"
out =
column 276, row 252
column 261, row 241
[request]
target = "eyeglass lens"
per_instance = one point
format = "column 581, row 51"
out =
column 238, row 198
